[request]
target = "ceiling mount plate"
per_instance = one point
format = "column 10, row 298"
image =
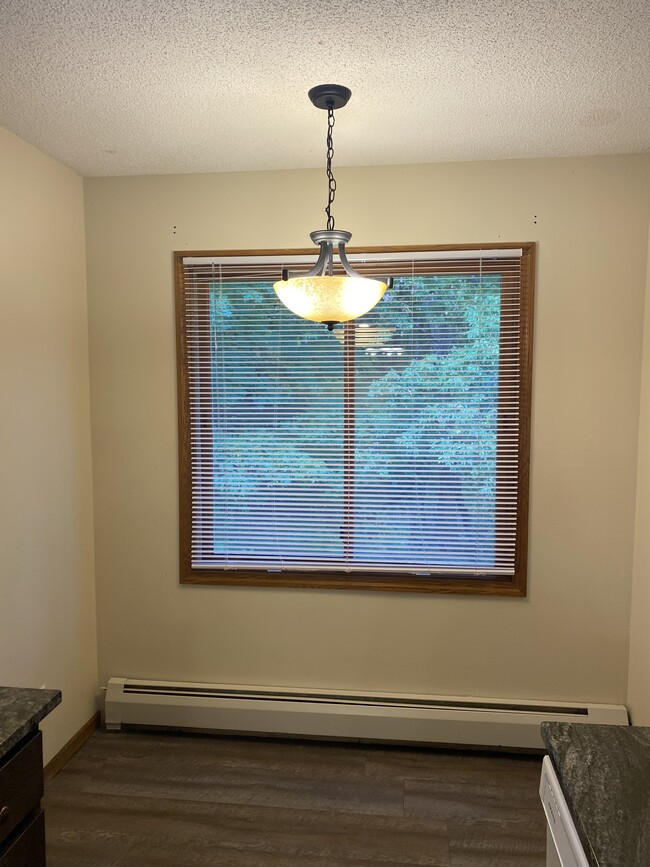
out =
column 330, row 96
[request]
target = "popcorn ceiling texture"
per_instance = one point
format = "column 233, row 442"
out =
column 120, row 87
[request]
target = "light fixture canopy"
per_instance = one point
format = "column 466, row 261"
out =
column 319, row 294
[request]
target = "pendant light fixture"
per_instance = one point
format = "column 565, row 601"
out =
column 319, row 294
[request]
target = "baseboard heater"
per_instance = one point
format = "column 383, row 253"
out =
column 367, row 716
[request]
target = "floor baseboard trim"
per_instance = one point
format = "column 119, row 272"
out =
column 64, row 755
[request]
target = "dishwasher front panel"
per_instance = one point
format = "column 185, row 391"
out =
column 563, row 847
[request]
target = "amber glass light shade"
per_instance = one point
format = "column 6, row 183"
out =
column 330, row 299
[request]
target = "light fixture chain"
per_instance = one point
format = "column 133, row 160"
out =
column 331, row 190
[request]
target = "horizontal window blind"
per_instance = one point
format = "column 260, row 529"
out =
column 393, row 446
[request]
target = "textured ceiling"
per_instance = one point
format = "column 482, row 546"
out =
column 117, row 87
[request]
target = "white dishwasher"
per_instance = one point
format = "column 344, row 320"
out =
column 563, row 847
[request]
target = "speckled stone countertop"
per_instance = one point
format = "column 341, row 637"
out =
column 21, row 710
column 604, row 772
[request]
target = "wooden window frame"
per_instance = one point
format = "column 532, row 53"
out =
column 366, row 580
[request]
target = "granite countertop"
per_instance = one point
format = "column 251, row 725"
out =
column 21, row 710
column 604, row 772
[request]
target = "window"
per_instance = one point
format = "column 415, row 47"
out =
column 391, row 453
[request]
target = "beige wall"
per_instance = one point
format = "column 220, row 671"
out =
column 639, row 682
column 569, row 638
column 47, row 592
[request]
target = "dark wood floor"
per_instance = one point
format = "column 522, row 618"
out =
column 135, row 799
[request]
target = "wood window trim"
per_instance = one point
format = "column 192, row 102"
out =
column 463, row 584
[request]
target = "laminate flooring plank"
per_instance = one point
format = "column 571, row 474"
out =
column 494, row 843
column 488, row 789
column 259, row 787
column 97, row 848
column 431, row 763
column 154, row 856
column 325, row 758
column 205, row 833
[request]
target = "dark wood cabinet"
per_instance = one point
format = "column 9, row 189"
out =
column 27, row 848
column 22, row 836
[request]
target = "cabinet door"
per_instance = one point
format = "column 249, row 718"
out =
column 28, row 849
column 21, row 785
